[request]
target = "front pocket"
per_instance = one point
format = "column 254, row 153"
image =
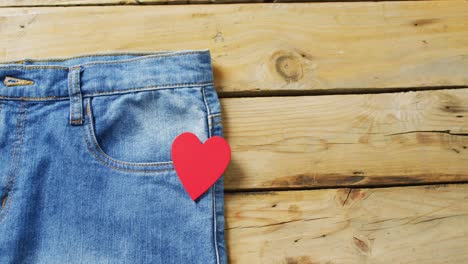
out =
column 134, row 131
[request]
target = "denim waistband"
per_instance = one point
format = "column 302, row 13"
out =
column 100, row 74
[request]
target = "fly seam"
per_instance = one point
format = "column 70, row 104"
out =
column 15, row 171
column 13, row 154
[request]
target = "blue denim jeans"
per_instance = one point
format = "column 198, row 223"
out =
column 86, row 174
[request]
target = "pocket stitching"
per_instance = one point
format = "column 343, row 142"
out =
column 105, row 159
column 113, row 167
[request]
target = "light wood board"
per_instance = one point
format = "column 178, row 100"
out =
column 394, row 225
column 22, row 3
column 314, row 47
column 343, row 140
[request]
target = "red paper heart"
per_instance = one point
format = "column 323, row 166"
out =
column 199, row 165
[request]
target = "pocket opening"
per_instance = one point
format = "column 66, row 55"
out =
column 101, row 156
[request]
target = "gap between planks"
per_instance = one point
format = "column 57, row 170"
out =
column 357, row 91
column 350, row 187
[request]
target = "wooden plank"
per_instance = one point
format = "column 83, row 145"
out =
column 22, row 3
column 392, row 225
column 319, row 47
column 30, row 3
column 342, row 140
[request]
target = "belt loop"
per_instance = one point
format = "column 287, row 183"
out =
column 76, row 100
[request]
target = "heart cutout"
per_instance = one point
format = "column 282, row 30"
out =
column 199, row 165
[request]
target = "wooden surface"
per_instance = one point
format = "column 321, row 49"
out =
column 25, row 3
column 343, row 140
column 393, row 225
column 349, row 96
column 282, row 48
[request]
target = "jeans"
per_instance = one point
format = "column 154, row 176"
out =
column 86, row 174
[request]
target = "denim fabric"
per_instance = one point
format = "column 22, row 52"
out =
column 85, row 169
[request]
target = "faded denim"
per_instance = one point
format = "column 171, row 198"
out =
column 85, row 169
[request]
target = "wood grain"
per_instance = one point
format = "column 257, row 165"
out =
column 425, row 224
column 319, row 47
column 22, row 3
column 343, row 140
column 29, row 3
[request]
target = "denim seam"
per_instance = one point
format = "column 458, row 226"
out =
column 22, row 61
column 208, row 110
column 78, row 98
column 149, row 88
column 18, row 148
column 13, row 154
column 1, row 178
column 215, row 216
column 213, row 193
column 91, row 134
column 84, row 65
column 46, row 98
column 164, row 53
column 140, row 89
column 36, row 67
column 70, row 94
